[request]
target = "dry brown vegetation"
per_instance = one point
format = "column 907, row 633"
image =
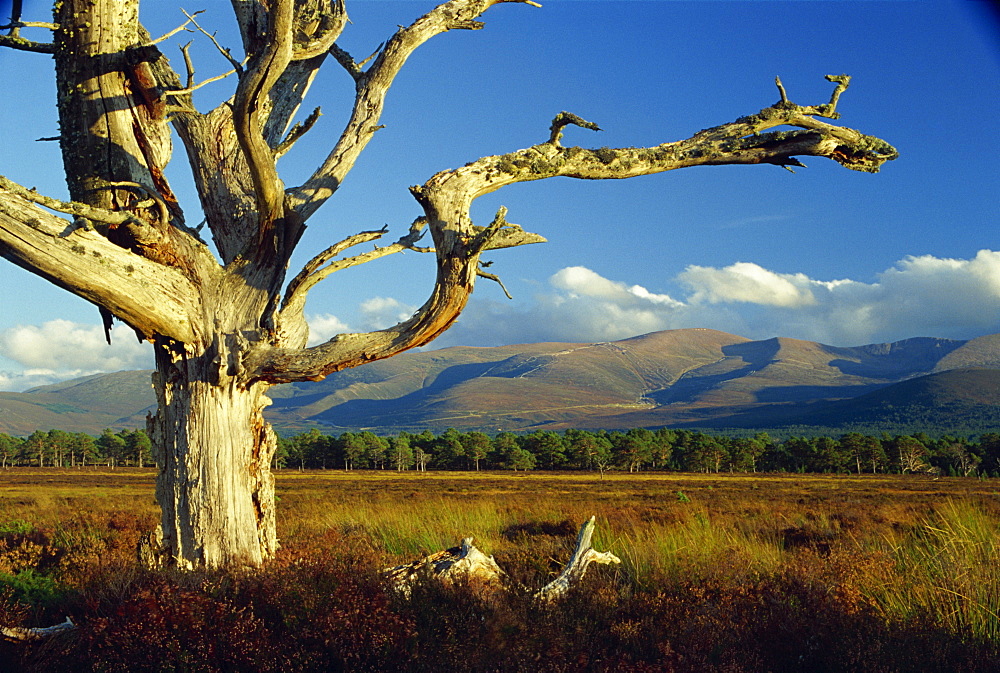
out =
column 729, row 573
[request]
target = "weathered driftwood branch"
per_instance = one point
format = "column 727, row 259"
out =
column 22, row 633
column 23, row 44
column 150, row 296
column 297, row 132
column 250, row 107
column 13, row 38
column 80, row 210
column 492, row 276
column 564, row 119
column 225, row 51
column 372, row 85
column 583, row 556
column 191, row 86
column 468, row 566
column 181, row 28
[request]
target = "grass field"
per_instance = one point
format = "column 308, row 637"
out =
column 719, row 572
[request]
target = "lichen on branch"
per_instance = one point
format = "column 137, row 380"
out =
column 447, row 198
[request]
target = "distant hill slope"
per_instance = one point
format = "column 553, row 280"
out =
column 88, row 404
column 962, row 401
column 678, row 377
column 960, row 398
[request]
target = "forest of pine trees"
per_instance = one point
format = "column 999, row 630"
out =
column 635, row 450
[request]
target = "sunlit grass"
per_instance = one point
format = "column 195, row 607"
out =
column 947, row 571
column 908, row 550
column 695, row 547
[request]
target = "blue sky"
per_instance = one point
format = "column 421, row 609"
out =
column 824, row 254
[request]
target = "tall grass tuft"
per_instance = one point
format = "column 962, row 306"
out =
column 407, row 530
column 696, row 546
column 946, row 573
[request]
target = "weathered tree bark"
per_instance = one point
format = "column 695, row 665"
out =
column 227, row 328
column 214, row 450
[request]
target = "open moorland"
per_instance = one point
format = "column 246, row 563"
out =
column 755, row 572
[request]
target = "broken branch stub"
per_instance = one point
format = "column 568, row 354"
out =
column 574, row 571
column 468, row 565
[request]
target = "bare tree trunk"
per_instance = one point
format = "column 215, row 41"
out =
column 214, row 451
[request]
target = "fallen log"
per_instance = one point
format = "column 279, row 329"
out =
column 22, row 633
column 469, row 565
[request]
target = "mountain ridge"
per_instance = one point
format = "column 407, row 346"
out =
column 674, row 377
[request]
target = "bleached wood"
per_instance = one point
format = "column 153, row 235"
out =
column 148, row 296
column 22, row 633
column 468, row 566
column 465, row 565
column 576, row 568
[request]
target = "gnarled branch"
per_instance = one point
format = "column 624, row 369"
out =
column 447, row 199
column 291, row 320
column 458, row 267
column 743, row 141
column 313, row 272
column 225, row 51
column 80, row 210
column 250, row 105
column 297, row 132
column 564, row 119
column 13, row 38
column 372, row 87
column 151, row 297
column 21, row 44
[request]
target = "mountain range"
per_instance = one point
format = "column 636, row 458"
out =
column 680, row 378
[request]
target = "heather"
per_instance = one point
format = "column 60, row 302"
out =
column 720, row 572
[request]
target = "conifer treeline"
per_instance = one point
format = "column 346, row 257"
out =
column 642, row 449
column 636, row 450
column 58, row 448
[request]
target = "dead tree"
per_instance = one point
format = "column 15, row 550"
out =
column 227, row 325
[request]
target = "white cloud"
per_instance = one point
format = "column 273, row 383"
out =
column 580, row 281
column 62, row 344
column 582, row 306
column 60, row 349
column 749, row 283
column 924, row 296
column 323, row 327
column 918, row 296
column 382, row 312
